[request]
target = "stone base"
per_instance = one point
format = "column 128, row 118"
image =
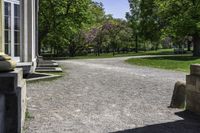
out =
column 193, row 101
column 195, row 69
column 179, row 95
column 13, row 89
column 22, row 104
column 193, row 89
column 2, row 112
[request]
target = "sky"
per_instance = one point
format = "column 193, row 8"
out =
column 117, row 8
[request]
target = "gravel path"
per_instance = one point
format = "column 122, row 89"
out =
column 107, row 95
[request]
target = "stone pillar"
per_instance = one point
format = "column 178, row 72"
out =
column 37, row 28
column 28, row 30
column 24, row 31
column 12, row 101
column 193, row 89
column 1, row 27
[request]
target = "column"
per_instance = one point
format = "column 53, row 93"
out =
column 37, row 28
column 24, row 31
column 28, row 32
column 1, row 27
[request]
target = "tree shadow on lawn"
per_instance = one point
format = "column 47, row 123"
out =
column 175, row 58
column 190, row 124
column 161, row 53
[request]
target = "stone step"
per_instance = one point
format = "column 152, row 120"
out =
column 26, row 66
column 48, row 65
column 46, row 62
column 48, row 69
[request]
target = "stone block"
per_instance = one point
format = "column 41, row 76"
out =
column 11, row 116
column 191, row 79
column 26, row 66
column 22, row 102
column 193, row 82
column 13, row 87
column 191, row 87
column 10, row 80
column 8, row 85
column 2, row 113
column 195, row 69
column 193, row 101
column 179, row 95
column 198, row 84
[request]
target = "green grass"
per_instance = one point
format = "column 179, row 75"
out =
column 60, row 74
column 28, row 116
column 177, row 63
column 110, row 55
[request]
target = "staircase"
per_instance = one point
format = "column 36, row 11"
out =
column 47, row 66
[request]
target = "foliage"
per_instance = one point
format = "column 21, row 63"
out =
column 79, row 27
column 182, row 18
column 134, row 19
column 60, row 21
column 174, row 20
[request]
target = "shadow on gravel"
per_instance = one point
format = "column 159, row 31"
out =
column 190, row 124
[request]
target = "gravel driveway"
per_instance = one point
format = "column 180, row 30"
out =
column 107, row 95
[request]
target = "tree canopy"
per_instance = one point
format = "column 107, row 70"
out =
column 160, row 19
column 76, row 27
column 79, row 27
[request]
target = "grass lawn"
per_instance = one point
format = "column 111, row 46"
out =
column 110, row 55
column 177, row 63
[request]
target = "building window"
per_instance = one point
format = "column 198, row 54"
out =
column 17, row 29
column 12, row 27
column 7, row 28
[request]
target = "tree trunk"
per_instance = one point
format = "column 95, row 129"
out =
column 118, row 51
column 196, row 41
column 189, row 47
column 136, row 43
column 113, row 52
column 156, row 46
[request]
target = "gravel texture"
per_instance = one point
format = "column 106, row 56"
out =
column 107, row 95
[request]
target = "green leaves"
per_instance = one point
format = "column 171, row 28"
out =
column 181, row 16
column 61, row 20
column 158, row 19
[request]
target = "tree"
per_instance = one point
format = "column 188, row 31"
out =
column 149, row 24
column 76, row 27
column 134, row 18
column 61, row 20
column 181, row 18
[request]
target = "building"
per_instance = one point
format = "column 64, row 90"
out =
column 20, row 31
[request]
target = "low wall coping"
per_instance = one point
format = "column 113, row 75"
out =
column 10, row 80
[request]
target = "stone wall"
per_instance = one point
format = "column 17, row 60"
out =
column 12, row 101
column 193, row 89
